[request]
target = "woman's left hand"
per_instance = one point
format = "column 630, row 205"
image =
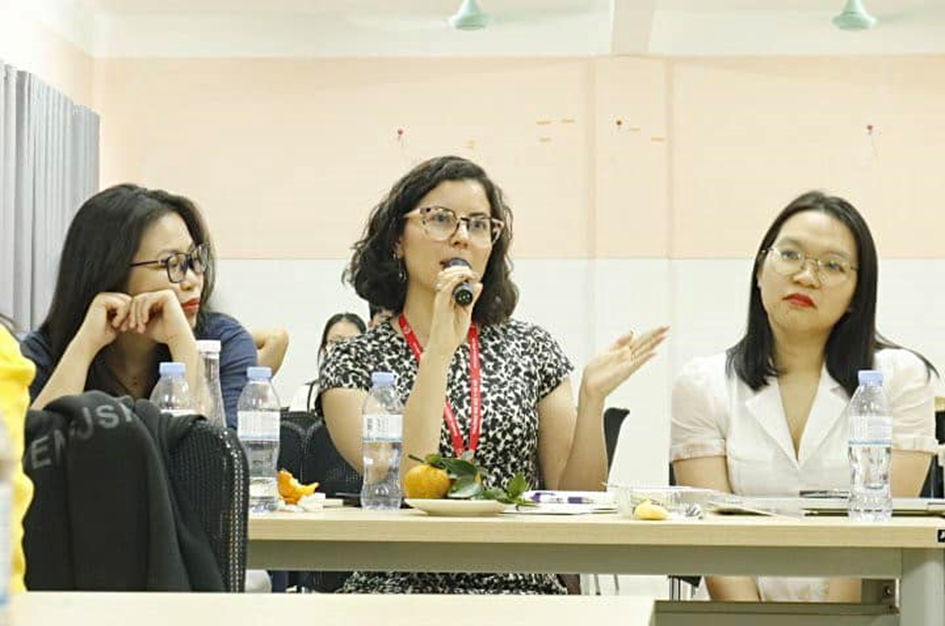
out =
column 609, row 370
column 158, row 316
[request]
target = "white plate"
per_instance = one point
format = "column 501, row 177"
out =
column 456, row 508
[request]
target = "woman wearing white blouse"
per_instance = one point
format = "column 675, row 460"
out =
column 765, row 418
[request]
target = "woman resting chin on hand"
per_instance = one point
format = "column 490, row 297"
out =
column 134, row 286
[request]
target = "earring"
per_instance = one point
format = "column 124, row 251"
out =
column 401, row 269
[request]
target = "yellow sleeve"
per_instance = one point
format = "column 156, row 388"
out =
column 16, row 374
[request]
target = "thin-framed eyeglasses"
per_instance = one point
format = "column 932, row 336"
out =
column 177, row 264
column 440, row 223
column 830, row 270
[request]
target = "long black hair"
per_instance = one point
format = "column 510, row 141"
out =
column 102, row 241
column 853, row 341
column 351, row 318
column 377, row 276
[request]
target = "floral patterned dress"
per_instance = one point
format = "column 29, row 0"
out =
column 521, row 364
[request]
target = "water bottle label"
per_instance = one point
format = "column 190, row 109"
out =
column 383, row 427
column 258, row 425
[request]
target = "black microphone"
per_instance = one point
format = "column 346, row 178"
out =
column 463, row 293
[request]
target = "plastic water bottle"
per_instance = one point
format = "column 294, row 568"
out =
column 258, row 431
column 172, row 394
column 870, row 450
column 211, row 400
column 8, row 463
column 381, row 442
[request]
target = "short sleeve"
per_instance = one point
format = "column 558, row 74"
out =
column 695, row 430
column 347, row 366
column 553, row 366
column 237, row 353
column 35, row 347
column 912, row 400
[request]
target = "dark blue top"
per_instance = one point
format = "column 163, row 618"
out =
column 237, row 352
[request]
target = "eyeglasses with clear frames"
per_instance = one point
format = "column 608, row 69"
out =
column 440, row 223
column 788, row 261
column 177, row 264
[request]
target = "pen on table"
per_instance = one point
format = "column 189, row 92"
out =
column 555, row 498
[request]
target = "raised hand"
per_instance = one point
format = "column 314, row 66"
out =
column 610, row 369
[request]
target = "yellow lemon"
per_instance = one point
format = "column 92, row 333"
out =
column 426, row 481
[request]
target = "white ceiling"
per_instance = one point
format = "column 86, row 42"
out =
column 358, row 28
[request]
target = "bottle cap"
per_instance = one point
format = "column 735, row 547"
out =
column 870, row 377
column 172, row 368
column 383, row 379
column 258, row 373
column 208, row 345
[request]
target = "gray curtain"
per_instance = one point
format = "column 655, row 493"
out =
column 50, row 167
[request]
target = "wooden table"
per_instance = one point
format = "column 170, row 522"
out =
column 908, row 549
column 180, row 609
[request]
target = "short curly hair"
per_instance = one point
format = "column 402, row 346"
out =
column 374, row 270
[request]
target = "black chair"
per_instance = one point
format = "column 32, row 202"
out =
column 321, row 461
column 209, row 468
column 304, row 419
column 613, row 420
column 934, row 486
column 293, row 430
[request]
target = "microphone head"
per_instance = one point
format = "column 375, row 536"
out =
column 457, row 261
column 463, row 293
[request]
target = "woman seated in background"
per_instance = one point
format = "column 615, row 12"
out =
column 134, row 288
column 15, row 376
column 444, row 209
column 339, row 327
column 765, row 418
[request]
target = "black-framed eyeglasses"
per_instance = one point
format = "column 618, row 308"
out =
column 177, row 264
column 788, row 260
column 440, row 223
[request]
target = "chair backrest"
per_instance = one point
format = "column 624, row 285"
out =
column 209, row 468
column 293, row 430
column 321, row 461
column 613, row 420
column 934, row 486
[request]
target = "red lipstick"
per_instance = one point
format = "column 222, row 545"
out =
column 799, row 299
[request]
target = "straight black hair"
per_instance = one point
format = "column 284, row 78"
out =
column 854, row 340
column 100, row 246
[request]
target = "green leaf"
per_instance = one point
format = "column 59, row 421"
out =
column 468, row 455
column 465, row 487
column 491, row 494
column 516, row 486
column 435, row 460
column 458, row 468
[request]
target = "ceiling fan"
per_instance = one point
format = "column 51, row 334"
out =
column 854, row 17
column 470, row 16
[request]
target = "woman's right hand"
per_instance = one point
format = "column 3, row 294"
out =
column 450, row 322
column 104, row 320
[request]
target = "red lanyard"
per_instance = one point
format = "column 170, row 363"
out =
column 475, row 388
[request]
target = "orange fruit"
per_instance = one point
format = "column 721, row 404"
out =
column 425, row 481
column 291, row 490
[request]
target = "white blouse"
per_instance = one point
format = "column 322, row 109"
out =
column 714, row 414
